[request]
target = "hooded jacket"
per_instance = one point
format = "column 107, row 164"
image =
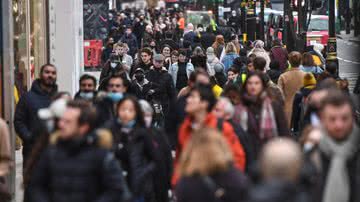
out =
column 25, row 119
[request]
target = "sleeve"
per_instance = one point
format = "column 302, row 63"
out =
column 21, row 118
column 235, row 146
column 39, row 181
column 114, row 185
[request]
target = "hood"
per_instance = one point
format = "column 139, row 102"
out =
column 35, row 87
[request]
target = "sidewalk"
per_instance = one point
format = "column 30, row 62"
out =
column 348, row 37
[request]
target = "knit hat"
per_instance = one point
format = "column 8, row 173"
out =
column 218, row 67
column 309, row 80
column 210, row 51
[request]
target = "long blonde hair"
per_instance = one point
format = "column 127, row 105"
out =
column 206, row 153
column 230, row 48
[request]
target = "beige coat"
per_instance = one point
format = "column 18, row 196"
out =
column 290, row 82
column 5, row 157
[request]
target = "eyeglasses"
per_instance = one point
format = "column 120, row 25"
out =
column 115, row 85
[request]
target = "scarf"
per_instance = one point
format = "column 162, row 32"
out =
column 268, row 127
column 337, row 185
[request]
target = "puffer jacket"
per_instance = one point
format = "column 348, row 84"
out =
column 77, row 170
column 26, row 118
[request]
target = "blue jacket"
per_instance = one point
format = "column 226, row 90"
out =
column 26, row 118
column 228, row 60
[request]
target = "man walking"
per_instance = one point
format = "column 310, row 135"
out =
column 38, row 97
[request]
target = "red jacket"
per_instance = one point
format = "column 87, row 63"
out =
column 185, row 133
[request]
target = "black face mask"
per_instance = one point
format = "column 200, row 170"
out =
column 140, row 77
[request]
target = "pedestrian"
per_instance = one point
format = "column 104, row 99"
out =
column 308, row 65
column 87, row 89
column 274, row 72
column 113, row 66
column 5, row 161
column 279, row 54
column 259, row 51
column 207, row 38
column 300, row 104
column 219, row 45
column 107, row 50
column 233, row 77
column 126, row 60
column 234, row 21
column 198, row 58
column 211, row 61
column 148, row 35
column 162, row 174
column 144, row 62
column 225, row 110
column 219, row 77
column 318, row 57
column 166, row 52
column 38, row 97
column 291, row 81
column 140, row 86
column 230, row 55
column 115, row 89
column 130, row 39
column 261, row 116
column 338, row 149
column 189, row 33
column 207, row 171
column 198, row 107
column 181, row 71
column 273, row 90
column 175, row 56
column 280, row 168
column 133, row 148
column 162, row 84
column 71, row 158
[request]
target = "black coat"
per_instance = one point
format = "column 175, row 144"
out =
column 26, row 119
column 135, row 151
column 77, row 171
column 132, row 42
column 194, row 189
column 163, row 86
column 207, row 39
column 277, row 191
column 199, row 62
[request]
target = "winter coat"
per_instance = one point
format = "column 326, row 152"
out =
column 105, row 109
column 274, row 92
column 135, row 152
column 290, row 82
column 189, row 36
column 107, row 71
column 299, row 108
column 196, row 189
column 210, row 64
column 261, row 53
column 228, row 60
column 274, row 75
column 77, row 170
column 163, row 86
column 254, row 109
column 185, row 133
column 279, row 54
column 131, row 41
column 314, row 69
column 127, row 62
column 277, row 191
column 25, row 119
column 207, row 39
column 141, row 65
column 147, row 38
column 141, row 91
column 173, row 70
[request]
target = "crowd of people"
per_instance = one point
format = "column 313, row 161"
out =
column 187, row 114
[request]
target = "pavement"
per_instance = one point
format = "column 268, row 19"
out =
column 349, row 37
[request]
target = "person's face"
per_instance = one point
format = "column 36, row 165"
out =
column 337, row 121
column 158, row 64
column 116, row 85
column 218, row 110
column 231, row 76
column 153, row 44
column 111, row 41
column 174, row 58
column 48, row 76
column 250, row 67
column 122, row 51
column 127, row 112
column 87, row 85
column 203, row 79
column 166, row 51
column 128, row 31
column 145, row 57
column 68, row 124
column 194, row 104
column 254, row 86
column 182, row 58
column 117, row 50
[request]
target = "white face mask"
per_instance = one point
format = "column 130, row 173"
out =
column 113, row 64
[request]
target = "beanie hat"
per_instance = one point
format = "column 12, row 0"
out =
column 309, row 80
column 210, row 51
column 218, row 67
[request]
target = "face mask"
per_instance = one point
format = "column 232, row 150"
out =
column 308, row 146
column 50, row 125
column 87, row 95
column 131, row 124
column 148, row 121
column 139, row 77
column 113, row 64
column 115, row 97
